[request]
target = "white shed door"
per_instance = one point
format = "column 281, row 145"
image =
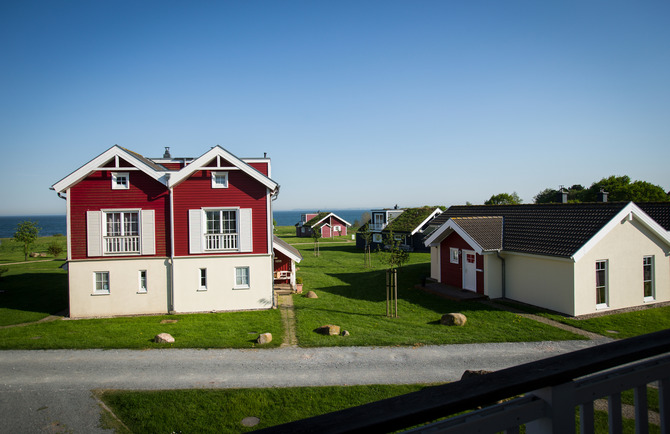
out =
column 469, row 270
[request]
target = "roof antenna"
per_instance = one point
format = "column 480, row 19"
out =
column 167, row 152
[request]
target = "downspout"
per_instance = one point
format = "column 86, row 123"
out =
column 503, row 271
column 170, row 292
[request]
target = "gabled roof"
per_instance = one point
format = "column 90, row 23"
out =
column 562, row 230
column 412, row 219
column 286, row 248
column 201, row 162
column 314, row 221
column 483, row 234
column 156, row 171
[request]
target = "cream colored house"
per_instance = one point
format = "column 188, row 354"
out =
column 575, row 259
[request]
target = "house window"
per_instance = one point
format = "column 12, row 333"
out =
column 121, row 232
column 241, row 277
column 337, row 228
column 221, row 230
column 203, row 280
column 143, row 282
column 453, row 255
column 601, row 283
column 101, row 282
column 376, row 238
column 120, row 181
column 219, row 179
column 648, row 277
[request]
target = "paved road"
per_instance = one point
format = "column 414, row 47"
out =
column 50, row 391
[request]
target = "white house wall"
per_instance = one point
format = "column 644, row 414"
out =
column 220, row 294
column 435, row 263
column 541, row 281
column 492, row 276
column 124, row 297
column 624, row 248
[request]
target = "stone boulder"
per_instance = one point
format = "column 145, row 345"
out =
column 164, row 338
column 345, row 333
column 264, row 338
column 453, row 319
column 329, row 330
column 470, row 373
column 311, row 294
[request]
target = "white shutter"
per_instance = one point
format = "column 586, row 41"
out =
column 148, row 245
column 195, row 233
column 93, row 233
column 246, row 232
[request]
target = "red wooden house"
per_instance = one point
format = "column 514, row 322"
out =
column 169, row 234
column 330, row 224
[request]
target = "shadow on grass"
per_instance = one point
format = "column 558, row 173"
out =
column 34, row 292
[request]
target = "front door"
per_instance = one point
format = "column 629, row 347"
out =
column 469, row 270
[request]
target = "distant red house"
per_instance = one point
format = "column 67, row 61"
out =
column 331, row 225
column 150, row 236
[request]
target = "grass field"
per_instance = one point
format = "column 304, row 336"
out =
column 354, row 298
column 11, row 251
column 618, row 325
column 218, row 411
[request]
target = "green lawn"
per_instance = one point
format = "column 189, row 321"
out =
column 11, row 251
column 618, row 325
column 354, row 298
column 32, row 291
column 222, row 410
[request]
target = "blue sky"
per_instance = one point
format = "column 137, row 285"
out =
column 360, row 104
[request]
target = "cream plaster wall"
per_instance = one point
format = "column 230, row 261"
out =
column 623, row 247
column 220, row 294
column 435, row 263
column 541, row 281
column 492, row 276
column 123, row 297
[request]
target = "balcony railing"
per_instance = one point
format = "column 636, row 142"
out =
column 377, row 226
column 129, row 244
column 220, row 241
column 545, row 396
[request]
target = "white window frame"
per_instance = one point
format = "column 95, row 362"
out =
column 377, row 238
column 116, row 177
column 215, row 178
column 123, row 236
column 652, row 280
column 227, row 236
column 453, row 255
column 605, row 263
column 98, row 278
column 142, row 282
column 202, row 279
column 242, row 285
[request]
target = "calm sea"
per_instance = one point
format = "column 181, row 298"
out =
column 55, row 224
column 290, row 218
column 49, row 224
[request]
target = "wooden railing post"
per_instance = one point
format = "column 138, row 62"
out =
column 561, row 416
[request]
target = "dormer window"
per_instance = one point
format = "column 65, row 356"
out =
column 219, row 179
column 120, row 181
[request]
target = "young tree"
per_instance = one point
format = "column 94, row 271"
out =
column 26, row 234
column 393, row 256
column 366, row 234
column 316, row 234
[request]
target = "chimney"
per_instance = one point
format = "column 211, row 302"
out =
column 167, row 152
column 602, row 196
column 562, row 195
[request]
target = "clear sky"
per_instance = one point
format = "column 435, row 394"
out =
column 360, row 104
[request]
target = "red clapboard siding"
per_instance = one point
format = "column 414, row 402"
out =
column 243, row 191
column 261, row 167
column 452, row 274
column 95, row 193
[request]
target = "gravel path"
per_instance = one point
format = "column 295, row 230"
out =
column 50, row 391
